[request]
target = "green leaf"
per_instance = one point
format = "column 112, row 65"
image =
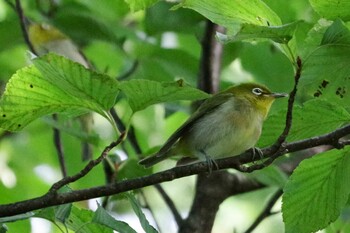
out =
column 332, row 9
column 54, row 85
column 62, row 212
column 137, row 209
column 280, row 34
column 142, row 93
column 3, row 228
column 131, row 169
column 231, row 13
column 136, row 5
column 270, row 176
column 316, row 192
column 46, row 213
column 102, row 217
column 329, row 117
column 82, row 28
column 317, row 78
column 337, row 33
column 160, row 19
column 80, row 220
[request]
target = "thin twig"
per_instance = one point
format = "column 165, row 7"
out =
column 69, row 179
column 289, row 116
column 131, row 132
column 59, row 148
column 22, row 20
column 170, row 204
column 266, row 211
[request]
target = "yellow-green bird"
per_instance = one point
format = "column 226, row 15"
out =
column 225, row 125
column 46, row 38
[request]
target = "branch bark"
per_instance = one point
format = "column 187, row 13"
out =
column 54, row 198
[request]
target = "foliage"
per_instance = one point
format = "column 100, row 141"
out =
column 145, row 57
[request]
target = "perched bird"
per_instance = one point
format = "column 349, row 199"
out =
column 46, row 38
column 224, row 125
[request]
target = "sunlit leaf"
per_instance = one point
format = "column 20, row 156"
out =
column 231, row 13
column 54, row 85
column 332, row 9
column 316, row 192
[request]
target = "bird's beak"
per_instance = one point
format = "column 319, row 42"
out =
column 279, row 95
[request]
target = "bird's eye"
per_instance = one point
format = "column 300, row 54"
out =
column 257, row 91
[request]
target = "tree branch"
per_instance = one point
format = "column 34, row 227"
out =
column 53, row 198
column 69, row 179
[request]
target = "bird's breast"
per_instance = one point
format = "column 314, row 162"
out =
column 230, row 130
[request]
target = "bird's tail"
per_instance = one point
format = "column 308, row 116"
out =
column 154, row 159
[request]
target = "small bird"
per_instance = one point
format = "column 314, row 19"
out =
column 46, row 38
column 224, row 125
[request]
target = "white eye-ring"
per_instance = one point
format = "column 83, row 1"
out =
column 257, row 91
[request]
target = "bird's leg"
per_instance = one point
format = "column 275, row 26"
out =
column 256, row 150
column 210, row 162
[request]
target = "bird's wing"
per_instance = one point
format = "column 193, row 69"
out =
column 208, row 106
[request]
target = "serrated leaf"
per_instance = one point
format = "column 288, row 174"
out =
column 142, row 93
column 142, row 218
column 326, row 70
column 54, row 85
column 316, row 192
column 102, row 217
column 332, row 9
column 280, row 34
column 329, row 117
column 230, row 13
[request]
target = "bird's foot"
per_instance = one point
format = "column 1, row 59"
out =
column 257, row 151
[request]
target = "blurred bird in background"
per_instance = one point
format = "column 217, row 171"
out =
column 46, row 38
